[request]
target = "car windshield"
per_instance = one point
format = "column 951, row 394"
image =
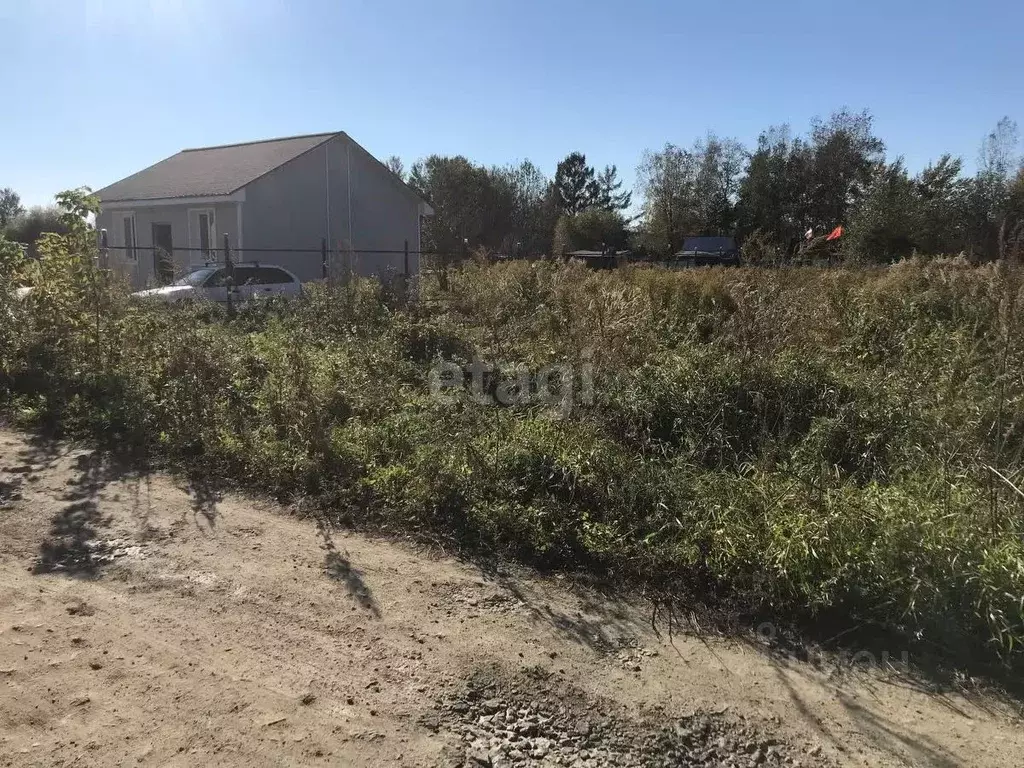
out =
column 197, row 278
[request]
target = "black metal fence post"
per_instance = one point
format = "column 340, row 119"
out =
column 407, row 259
column 323, row 258
column 230, row 280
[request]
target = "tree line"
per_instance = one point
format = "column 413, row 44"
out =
column 21, row 225
column 779, row 198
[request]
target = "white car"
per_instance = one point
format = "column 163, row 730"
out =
column 252, row 281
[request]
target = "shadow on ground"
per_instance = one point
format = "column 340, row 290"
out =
column 73, row 545
column 339, row 568
column 205, row 493
column 889, row 659
column 76, row 543
column 601, row 623
column 898, row 742
column 10, row 492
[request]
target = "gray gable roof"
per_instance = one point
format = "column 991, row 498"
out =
column 211, row 170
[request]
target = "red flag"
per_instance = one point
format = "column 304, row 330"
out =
column 835, row 234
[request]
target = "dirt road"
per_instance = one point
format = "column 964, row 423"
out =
column 146, row 623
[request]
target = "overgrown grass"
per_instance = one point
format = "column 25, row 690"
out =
column 805, row 445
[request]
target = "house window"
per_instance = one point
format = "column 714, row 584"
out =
column 204, row 233
column 128, row 235
column 202, row 226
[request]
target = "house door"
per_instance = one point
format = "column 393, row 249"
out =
column 163, row 254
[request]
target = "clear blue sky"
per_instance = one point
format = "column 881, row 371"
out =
column 97, row 89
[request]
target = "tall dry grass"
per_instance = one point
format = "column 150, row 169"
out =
column 834, row 446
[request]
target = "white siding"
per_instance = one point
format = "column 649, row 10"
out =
column 142, row 273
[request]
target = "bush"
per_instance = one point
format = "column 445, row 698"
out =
column 594, row 229
column 27, row 227
column 759, row 249
column 810, row 444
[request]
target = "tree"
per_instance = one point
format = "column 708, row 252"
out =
column 984, row 202
column 508, row 209
column 534, row 209
column 834, row 174
column 769, row 194
column 942, row 194
column 988, row 193
column 689, row 192
column 608, row 195
column 665, row 181
column 456, row 189
column 396, row 166
column 884, row 226
column 33, row 223
column 549, row 212
column 998, row 154
column 846, row 154
column 761, row 249
column 795, row 184
column 600, row 229
column 10, row 206
column 1011, row 236
column 719, row 165
column 596, row 229
column 576, row 185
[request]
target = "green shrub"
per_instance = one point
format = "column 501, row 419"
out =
column 802, row 443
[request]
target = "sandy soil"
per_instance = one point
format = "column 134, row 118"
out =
column 143, row 622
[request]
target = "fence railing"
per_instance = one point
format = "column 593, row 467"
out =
column 162, row 265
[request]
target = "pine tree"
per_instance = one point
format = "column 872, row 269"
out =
column 576, row 185
column 608, row 195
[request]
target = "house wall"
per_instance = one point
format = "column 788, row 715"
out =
column 336, row 191
column 339, row 192
column 385, row 215
column 142, row 272
column 287, row 209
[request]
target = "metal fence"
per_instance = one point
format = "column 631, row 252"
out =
column 165, row 265
column 166, row 262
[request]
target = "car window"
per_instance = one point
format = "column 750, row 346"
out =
column 245, row 276
column 217, row 280
column 197, row 277
column 273, row 276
